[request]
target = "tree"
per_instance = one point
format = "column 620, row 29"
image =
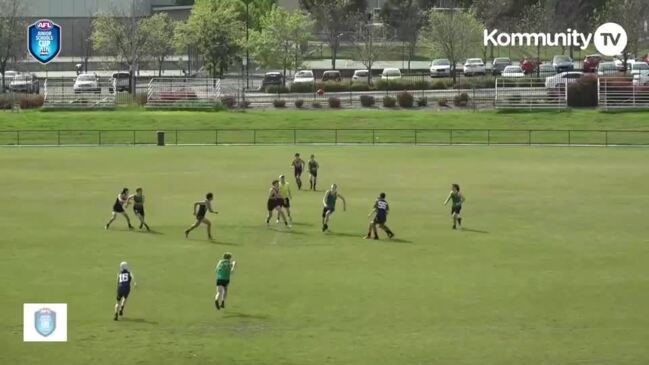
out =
column 631, row 15
column 536, row 19
column 334, row 18
column 160, row 29
column 456, row 34
column 406, row 18
column 121, row 35
column 278, row 43
column 12, row 34
column 215, row 29
column 575, row 14
column 365, row 52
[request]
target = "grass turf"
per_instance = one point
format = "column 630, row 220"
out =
column 117, row 127
column 551, row 269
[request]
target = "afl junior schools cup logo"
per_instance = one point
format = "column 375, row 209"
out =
column 44, row 40
column 45, row 321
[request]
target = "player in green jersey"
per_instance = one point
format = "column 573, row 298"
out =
column 329, row 202
column 457, row 200
column 224, row 269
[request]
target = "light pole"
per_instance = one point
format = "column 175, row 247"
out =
column 247, row 45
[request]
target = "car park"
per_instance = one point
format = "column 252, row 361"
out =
column 391, row 74
column 304, row 77
column 563, row 63
column 331, row 76
column 87, row 83
column 499, row 64
column 360, row 76
column 638, row 68
column 607, row 69
column 440, row 68
column 9, row 76
column 591, row 63
column 546, row 69
column 513, row 72
column 562, row 79
column 619, row 63
column 25, row 83
column 271, row 79
column 121, row 81
column 474, row 66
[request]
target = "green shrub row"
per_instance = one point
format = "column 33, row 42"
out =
column 23, row 101
column 393, row 85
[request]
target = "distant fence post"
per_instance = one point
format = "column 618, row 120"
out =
column 450, row 136
column 373, row 136
column 18, row 138
column 134, row 138
column 415, row 136
column 99, row 137
column 336, row 136
column 58, row 137
column 488, row 137
column 254, row 136
column 569, row 137
column 529, row 137
column 216, row 136
column 606, row 138
column 294, row 136
column 176, row 137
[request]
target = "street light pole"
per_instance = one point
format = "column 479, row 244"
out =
column 247, row 46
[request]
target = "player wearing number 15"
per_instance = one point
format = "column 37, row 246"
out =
column 124, row 280
column 224, row 268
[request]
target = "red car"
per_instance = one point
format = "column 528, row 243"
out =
column 591, row 63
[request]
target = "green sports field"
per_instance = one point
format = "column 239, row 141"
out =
column 551, row 268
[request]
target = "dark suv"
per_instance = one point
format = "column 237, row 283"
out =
column 332, row 76
column 271, row 79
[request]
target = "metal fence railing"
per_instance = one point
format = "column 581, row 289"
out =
column 183, row 93
column 530, row 93
column 327, row 137
column 98, row 93
column 623, row 93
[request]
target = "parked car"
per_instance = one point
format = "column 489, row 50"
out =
column 9, row 77
column 474, row 66
column 391, row 74
column 271, row 79
column 563, row 63
column 87, row 83
column 513, row 72
column 331, row 76
column 546, row 69
column 499, row 64
column 606, row 69
column 304, row 77
column 641, row 80
column 638, row 68
column 591, row 62
column 440, row 68
column 360, row 75
column 619, row 63
column 121, row 80
column 25, row 83
column 560, row 80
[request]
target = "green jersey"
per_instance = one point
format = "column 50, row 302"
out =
column 330, row 199
column 456, row 198
column 223, row 269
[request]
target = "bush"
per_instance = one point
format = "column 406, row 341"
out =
column 316, row 105
column 583, row 93
column 367, row 101
column 279, row 103
column 141, row 100
column 334, row 102
column 405, row 99
column 302, row 87
column 439, row 85
column 31, row 101
column 420, row 85
column 461, row 100
column 389, row 102
column 361, row 86
column 422, row 101
column 245, row 104
column 333, row 86
column 299, row 103
column 442, row 102
column 229, row 101
column 476, row 83
column 6, row 102
column 276, row 89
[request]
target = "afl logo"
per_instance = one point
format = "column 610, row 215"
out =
column 44, row 25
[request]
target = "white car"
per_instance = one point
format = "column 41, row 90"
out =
column 391, row 74
column 9, row 77
column 87, row 83
column 513, row 72
column 562, row 79
column 440, row 68
column 641, row 79
column 360, row 75
column 474, row 66
column 304, row 77
column 606, row 69
column 619, row 63
column 638, row 68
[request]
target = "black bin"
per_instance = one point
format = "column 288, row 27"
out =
column 161, row 138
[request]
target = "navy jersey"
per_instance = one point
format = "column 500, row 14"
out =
column 382, row 208
column 202, row 209
column 124, row 280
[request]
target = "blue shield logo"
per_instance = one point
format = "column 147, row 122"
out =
column 44, row 40
column 45, row 321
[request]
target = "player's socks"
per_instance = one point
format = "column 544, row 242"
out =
column 223, row 304
column 115, row 317
column 454, row 227
column 121, row 311
column 459, row 221
column 216, row 303
column 106, row 227
column 187, row 234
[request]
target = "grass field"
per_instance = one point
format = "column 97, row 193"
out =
column 552, row 268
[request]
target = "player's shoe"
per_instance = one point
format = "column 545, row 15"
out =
column 115, row 318
column 223, row 305
column 106, row 227
column 325, row 227
column 216, row 304
column 186, row 234
column 391, row 235
column 121, row 312
column 454, row 227
column 367, row 237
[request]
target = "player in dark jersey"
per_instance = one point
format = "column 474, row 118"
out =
column 200, row 211
column 275, row 203
column 298, row 167
column 124, row 280
column 458, row 199
column 138, row 207
column 380, row 211
column 313, row 172
column 119, row 207
column 224, row 268
column 329, row 202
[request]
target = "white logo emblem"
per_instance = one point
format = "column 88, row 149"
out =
column 45, row 322
column 610, row 39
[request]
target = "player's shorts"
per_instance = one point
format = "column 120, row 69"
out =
column 380, row 219
column 298, row 171
column 200, row 218
column 118, row 208
column 286, row 203
column 139, row 210
column 314, row 173
column 456, row 209
column 223, row 283
column 123, row 292
column 327, row 209
column 272, row 204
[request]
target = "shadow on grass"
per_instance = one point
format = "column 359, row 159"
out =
column 286, row 231
column 138, row 320
column 399, row 240
column 344, row 234
column 303, row 224
column 471, row 230
column 243, row 315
